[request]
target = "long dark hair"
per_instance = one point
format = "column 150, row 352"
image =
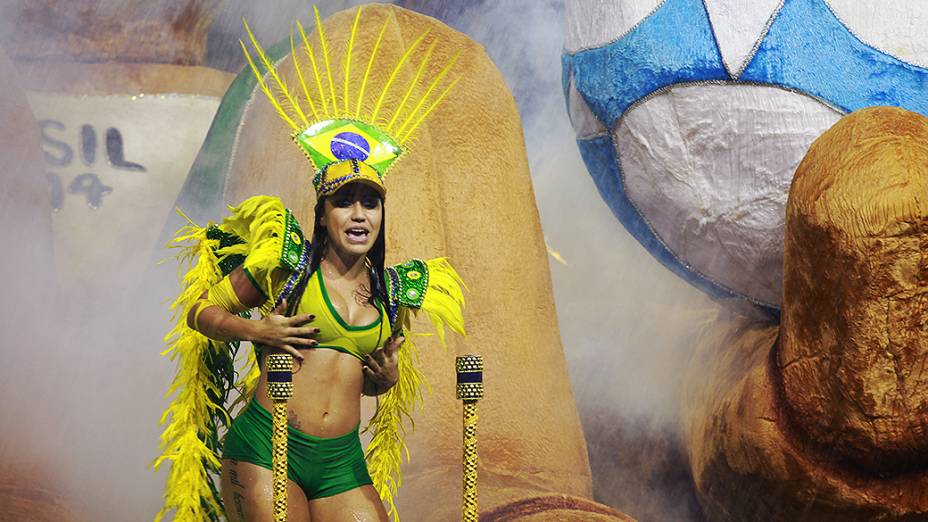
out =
column 375, row 256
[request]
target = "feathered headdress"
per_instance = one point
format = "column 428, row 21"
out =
column 346, row 135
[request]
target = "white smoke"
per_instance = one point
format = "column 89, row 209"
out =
column 626, row 322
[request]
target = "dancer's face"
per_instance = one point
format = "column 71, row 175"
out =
column 352, row 218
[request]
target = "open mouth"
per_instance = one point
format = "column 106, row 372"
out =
column 357, row 235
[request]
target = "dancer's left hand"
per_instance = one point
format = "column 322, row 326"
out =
column 381, row 367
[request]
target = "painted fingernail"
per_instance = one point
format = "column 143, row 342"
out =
column 316, row 330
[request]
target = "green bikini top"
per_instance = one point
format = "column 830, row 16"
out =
column 265, row 239
column 334, row 332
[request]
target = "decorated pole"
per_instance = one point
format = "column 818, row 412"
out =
column 470, row 390
column 279, row 390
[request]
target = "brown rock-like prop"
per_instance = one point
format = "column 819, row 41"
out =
column 28, row 490
column 554, row 507
column 28, row 494
column 855, row 322
column 25, row 213
column 463, row 192
column 829, row 422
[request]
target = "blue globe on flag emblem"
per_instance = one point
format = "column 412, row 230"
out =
column 350, row 145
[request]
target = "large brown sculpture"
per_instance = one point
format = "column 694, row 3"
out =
column 824, row 417
column 464, row 192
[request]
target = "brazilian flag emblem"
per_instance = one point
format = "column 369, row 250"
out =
column 344, row 139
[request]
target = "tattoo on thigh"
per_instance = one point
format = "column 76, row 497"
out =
column 233, row 476
column 237, row 499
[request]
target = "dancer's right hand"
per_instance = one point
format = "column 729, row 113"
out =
column 286, row 333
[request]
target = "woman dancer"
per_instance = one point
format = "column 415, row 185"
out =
column 329, row 302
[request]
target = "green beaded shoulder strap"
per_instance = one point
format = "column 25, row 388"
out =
column 293, row 243
column 226, row 239
column 406, row 285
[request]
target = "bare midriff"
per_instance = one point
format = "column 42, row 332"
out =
column 326, row 398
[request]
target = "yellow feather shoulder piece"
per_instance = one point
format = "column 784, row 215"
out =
column 262, row 236
column 188, row 441
column 435, row 288
column 273, row 243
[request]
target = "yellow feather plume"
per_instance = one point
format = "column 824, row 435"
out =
column 267, row 92
column 325, row 55
column 299, row 73
column 312, row 61
column 412, row 84
column 259, row 220
column 327, row 105
column 191, row 416
column 444, row 304
column 428, row 92
column 396, row 70
column 354, row 30
column 188, row 492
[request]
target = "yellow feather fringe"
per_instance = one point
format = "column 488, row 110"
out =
column 188, row 492
column 260, row 222
column 444, row 304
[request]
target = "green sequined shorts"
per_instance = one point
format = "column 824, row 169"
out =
column 322, row 467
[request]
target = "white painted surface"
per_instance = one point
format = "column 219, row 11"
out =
column 710, row 167
column 581, row 116
column 593, row 23
column 899, row 27
column 738, row 26
column 163, row 134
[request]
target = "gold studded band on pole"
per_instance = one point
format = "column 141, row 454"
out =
column 279, row 390
column 470, row 390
